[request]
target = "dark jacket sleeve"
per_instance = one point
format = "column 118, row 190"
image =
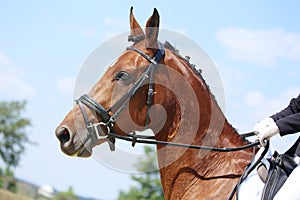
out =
column 288, row 120
column 295, row 149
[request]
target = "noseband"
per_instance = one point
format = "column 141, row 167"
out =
column 103, row 129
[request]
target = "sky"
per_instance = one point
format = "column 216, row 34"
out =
column 255, row 46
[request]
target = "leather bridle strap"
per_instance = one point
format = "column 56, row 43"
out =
column 144, row 139
column 107, row 119
column 92, row 105
column 148, row 74
column 153, row 63
column 249, row 168
column 156, row 59
column 95, row 131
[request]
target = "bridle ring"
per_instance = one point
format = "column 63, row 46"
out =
column 104, row 130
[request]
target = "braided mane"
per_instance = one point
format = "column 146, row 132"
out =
column 186, row 59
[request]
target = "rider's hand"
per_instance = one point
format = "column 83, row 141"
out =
column 262, row 125
column 265, row 129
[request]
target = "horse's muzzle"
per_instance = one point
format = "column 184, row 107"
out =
column 63, row 135
column 65, row 138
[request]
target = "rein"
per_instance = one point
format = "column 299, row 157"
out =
column 104, row 129
column 144, row 139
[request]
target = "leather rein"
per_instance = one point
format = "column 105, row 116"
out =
column 104, row 129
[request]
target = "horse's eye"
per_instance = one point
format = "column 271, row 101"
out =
column 122, row 76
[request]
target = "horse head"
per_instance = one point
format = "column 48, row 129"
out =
column 123, row 97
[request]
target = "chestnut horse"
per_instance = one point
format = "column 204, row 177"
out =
column 150, row 86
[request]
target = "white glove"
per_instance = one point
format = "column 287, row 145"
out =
column 265, row 129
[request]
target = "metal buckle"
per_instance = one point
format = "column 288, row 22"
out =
column 100, row 134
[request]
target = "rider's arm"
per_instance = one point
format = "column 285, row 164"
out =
column 288, row 120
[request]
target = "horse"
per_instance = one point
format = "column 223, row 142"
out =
column 151, row 86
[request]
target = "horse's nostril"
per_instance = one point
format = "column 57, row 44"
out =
column 63, row 135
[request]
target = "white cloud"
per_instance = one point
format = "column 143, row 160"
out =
column 248, row 107
column 262, row 105
column 12, row 85
column 66, row 85
column 262, row 47
column 255, row 99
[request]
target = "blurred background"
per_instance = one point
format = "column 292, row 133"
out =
column 255, row 46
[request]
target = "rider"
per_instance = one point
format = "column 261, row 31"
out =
column 283, row 123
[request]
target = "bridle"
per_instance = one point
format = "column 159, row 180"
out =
column 104, row 129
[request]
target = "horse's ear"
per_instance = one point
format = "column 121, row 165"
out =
column 152, row 27
column 135, row 28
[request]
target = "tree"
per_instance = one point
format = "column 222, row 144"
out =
column 13, row 136
column 7, row 180
column 68, row 195
column 149, row 185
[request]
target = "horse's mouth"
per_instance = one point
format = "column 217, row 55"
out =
column 84, row 149
column 72, row 144
column 82, row 152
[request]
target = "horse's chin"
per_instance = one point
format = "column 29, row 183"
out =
column 81, row 149
column 86, row 149
column 82, row 153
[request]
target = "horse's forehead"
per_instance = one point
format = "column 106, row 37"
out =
column 127, row 60
column 122, row 60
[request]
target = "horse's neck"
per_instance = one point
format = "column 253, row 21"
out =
column 184, row 170
column 197, row 174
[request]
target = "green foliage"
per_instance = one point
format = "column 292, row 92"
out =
column 12, row 132
column 2, row 180
column 68, row 195
column 7, row 180
column 149, row 185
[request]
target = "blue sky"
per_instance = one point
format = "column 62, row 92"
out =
column 255, row 46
